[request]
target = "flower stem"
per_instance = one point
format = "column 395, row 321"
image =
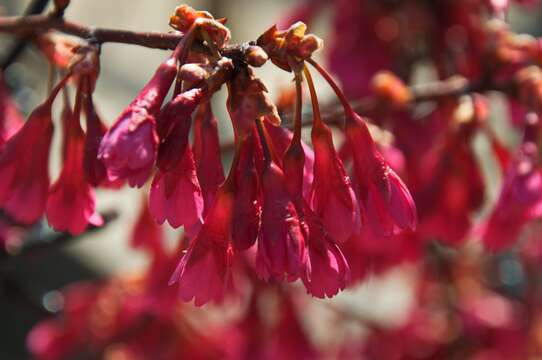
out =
column 267, row 145
column 298, row 108
column 332, row 83
column 317, row 119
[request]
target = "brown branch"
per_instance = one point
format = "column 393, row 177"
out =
column 430, row 92
column 35, row 7
column 437, row 91
column 24, row 25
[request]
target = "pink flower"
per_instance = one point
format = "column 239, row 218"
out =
column 174, row 127
column 175, row 194
column 389, row 205
column 129, row 148
column 204, row 272
column 332, row 197
column 327, row 270
column 71, row 202
column 206, row 151
column 281, row 246
column 179, row 109
column 520, row 200
column 24, row 163
column 11, row 119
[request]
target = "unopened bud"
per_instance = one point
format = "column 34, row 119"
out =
column 193, row 73
column 218, row 33
column 183, row 18
column 86, row 62
column 255, row 56
column 295, row 34
column 309, row 44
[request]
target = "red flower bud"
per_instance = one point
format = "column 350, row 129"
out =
column 332, row 197
column 24, row 165
column 71, row 201
column 128, row 149
column 389, row 205
column 206, row 150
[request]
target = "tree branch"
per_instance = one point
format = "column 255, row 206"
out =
column 25, row 25
column 36, row 7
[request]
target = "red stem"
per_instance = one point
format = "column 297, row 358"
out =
column 317, row 119
column 332, row 83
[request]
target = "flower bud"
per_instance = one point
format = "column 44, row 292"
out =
column 218, row 33
column 185, row 17
column 247, row 101
column 193, row 73
column 308, row 45
column 256, row 56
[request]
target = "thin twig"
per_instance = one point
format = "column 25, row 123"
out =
column 24, row 25
column 36, row 7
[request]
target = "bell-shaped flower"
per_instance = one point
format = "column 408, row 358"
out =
column 520, row 200
column 281, row 245
column 178, row 110
column 129, row 147
column 175, row 192
column 206, row 149
column 327, row 270
column 204, row 272
column 176, row 195
column 24, row 165
column 332, row 197
column 71, row 202
column 389, row 205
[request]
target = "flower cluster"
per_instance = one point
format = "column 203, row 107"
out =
column 294, row 206
column 390, row 170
